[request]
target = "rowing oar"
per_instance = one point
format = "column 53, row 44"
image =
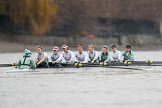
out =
column 143, row 63
column 7, row 65
column 124, row 68
column 108, row 64
column 59, row 65
column 127, row 63
column 79, row 65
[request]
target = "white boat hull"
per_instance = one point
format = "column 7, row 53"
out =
column 21, row 71
column 74, row 70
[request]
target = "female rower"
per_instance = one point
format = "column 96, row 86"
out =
column 92, row 54
column 55, row 57
column 104, row 56
column 26, row 62
column 115, row 55
column 81, row 56
column 128, row 54
column 41, row 58
column 68, row 55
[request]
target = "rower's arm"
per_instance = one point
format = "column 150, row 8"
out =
column 36, row 60
column 122, row 56
column 33, row 64
column 119, row 55
column 96, row 56
column 99, row 58
column 73, row 58
column 108, row 59
column 131, row 58
column 111, row 59
column 19, row 63
column 49, row 58
column 59, row 59
column 42, row 60
column 86, row 58
column 76, row 59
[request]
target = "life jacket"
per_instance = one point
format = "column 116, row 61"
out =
column 24, row 61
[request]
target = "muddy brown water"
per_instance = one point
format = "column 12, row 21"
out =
column 86, row 88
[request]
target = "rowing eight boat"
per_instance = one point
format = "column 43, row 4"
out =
column 127, row 63
column 86, row 66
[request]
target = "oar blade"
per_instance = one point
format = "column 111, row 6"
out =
column 7, row 65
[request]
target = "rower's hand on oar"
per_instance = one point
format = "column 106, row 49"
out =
column 78, row 64
column 149, row 62
column 118, row 60
column 37, row 63
column 101, row 63
column 92, row 61
column 69, row 62
column 53, row 62
column 14, row 64
column 127, row 62
column 105, row 63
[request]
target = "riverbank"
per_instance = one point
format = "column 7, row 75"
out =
column 8, row 47
column 17, row 43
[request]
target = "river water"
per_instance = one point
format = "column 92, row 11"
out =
column 92, row 88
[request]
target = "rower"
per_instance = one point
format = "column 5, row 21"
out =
column 104, row 56
column 115, row 55
column 93, row 55
column 26, row 62
column 41, row 58
column 68, row 55
column 81, row 56
column 55, row 57
column 128, row 54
